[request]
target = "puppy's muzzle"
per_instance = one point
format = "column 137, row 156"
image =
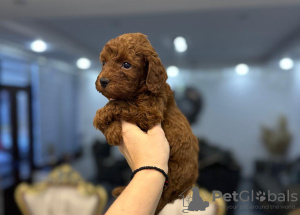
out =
column 104, row 82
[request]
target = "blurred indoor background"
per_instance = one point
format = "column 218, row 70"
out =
column 234, row 67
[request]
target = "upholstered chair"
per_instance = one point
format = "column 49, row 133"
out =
column 64, row 192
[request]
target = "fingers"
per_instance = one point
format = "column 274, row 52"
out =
column 125, row 153
column 130, row 129
column 121, row 148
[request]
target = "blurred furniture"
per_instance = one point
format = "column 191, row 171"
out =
column 110, row 171
column 190, row 102
column 64, row 192
column 218, row 170
column 217, row 207
column 295, row 212
column 277, row 140
column 277, row 177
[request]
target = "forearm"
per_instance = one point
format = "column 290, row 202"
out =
column 141, row 196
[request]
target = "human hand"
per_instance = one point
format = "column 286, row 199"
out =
column 144, row 149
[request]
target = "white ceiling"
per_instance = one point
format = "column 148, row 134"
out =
column 70, row 8
column 217, row 32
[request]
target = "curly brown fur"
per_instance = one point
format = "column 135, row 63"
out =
column 141, row 96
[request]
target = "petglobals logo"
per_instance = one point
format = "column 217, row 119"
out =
column 246, row 196
column 193, row 202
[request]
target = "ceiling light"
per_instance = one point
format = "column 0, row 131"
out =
column 172, row 71
column 38, row 46
column 242, row 69
column 83, row 63
column 180, row 44
column 286, row 63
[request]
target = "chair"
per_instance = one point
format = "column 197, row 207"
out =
column 64, row 192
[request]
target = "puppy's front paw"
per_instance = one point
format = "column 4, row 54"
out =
column 117, row 107
column 102, row 119
column 113, row 133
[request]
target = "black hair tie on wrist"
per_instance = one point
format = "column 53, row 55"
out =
column 152, row 167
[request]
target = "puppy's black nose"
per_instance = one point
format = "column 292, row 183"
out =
column 104, row 82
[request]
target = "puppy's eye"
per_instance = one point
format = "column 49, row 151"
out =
column 126, row 65
column 103, row 63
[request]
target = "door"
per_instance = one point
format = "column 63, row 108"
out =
column 16, row 141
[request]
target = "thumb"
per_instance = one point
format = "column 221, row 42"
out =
column 129, row 128
column 157, row 129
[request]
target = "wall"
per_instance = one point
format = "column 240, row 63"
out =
column 58, row 109
column 54, row 93
column 89, row 101
column 235, row 108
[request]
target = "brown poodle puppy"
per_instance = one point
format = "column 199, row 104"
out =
column 134, row 80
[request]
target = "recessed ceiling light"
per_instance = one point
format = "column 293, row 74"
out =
column 180, row 44
column 83, row 63
column 242, row 69
column 172, row 71
column 38, row 46
column 286, row 63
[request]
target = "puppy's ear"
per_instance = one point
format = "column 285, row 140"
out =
column 157, row 75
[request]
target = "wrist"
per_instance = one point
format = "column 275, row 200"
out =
column 152, row 168
column 165, row 168
column 150, row 174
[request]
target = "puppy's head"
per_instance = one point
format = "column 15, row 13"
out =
column 130, row 66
